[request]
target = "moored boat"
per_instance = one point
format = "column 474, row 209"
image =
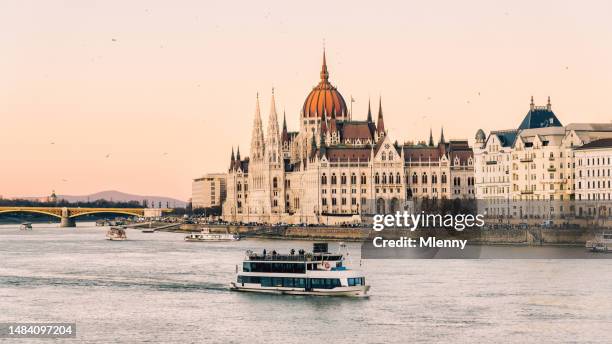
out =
column 116, row 234
column 206, row 235
column 26, row 226
column 601, row 243
column 313, row 273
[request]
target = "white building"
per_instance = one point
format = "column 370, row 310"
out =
column 594, row 178
column 208, row 190
column 530, row 171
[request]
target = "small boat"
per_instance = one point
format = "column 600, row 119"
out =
column 26, row 226
column 206, row 235
column 306, row 273
column 116, row 234
column 601, row 243
column 148, row 230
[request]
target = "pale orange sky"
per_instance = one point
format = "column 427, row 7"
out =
column 165, row 88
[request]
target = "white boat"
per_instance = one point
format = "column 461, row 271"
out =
column 206, row 235
column 148, row 230
column 116, row 234
column 317, row 273
column 26, row 226
column 601, row 243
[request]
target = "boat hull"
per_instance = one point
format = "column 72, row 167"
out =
column 357, row 291
column 116, row 239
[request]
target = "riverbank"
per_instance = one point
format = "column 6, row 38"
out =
column 532, row 236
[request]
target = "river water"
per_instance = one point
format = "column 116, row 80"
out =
column 158, row 288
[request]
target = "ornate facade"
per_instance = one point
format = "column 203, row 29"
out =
column 336, row 169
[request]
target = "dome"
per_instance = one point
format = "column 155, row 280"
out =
column 325, row 98
column 480, row 135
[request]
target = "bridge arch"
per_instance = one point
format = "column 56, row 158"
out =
column 36, row 211
column 109, row 211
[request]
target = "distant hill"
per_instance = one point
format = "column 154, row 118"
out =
column 117, row 196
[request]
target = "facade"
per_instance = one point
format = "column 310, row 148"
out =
column 335, row 169
column 531, row 170
column 594, row 178
column 208, row 191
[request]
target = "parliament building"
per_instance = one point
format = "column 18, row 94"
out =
column 336, row 169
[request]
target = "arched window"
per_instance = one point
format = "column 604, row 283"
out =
column 363, row 179
column 443, row 177
column 398, row 178
column 353, row 178
column 384, row 157
column 239, row 186
column 434, row 179
column 274, row 183
column 424, row 178
column 384, row 179
column 415, row 178
column 343, row 179
column 334, row 181
column 390, row 156
column 324, row 179
column 376, row 178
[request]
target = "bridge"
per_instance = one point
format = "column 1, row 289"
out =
column 67, row 215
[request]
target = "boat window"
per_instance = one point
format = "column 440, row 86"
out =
column 325, row 283
column 249, row 279
column 356, row 281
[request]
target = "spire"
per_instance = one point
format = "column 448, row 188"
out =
column 431, row 141
column 380, row 124
column 324, row 73
column 284, row 134
column 257, row 137
column 369, row 111
column 237, row 154
column 273, row 136
column 531, row 105
column 548, row 105
column 442, row 135
column 232, row 160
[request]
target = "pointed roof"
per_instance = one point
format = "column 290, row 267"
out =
column 284, row 134
column 431, row 140
column 238, row 154
column 380, row 123
column 539, row 117
column 442, row 135
column 369, row 111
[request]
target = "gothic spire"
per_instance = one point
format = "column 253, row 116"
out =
column 431, row 141
column 369, row 111
column 273, row 135
column 324, row 73
column 257, row 138
column 380, row 124
column 238, row 154
column 442, row 135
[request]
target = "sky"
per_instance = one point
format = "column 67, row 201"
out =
column 143, row 96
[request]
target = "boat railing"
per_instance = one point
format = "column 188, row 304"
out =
column 293, row 257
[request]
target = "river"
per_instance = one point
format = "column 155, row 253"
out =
column 158, row 288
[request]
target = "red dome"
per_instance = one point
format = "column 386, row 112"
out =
column 325, row 98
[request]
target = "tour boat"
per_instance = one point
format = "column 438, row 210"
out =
column 317, row 273
column 601, row 243
column 25, row 226
column 116, row 234
column 206, row 235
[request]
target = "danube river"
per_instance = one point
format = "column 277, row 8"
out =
column 158, row 288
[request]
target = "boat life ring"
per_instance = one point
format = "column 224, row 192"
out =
column 326, row 265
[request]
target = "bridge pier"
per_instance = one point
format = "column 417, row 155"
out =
column 67, row 222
